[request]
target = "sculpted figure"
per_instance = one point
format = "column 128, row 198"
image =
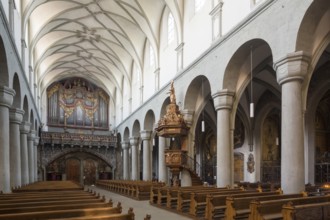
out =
column 172, row 93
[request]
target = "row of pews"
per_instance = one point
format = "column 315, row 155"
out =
column 135, row 189
column 59, row 200
column 202, row 202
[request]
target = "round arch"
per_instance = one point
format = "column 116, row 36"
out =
column 4, row 75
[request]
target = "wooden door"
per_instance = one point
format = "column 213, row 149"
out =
column 89, row 172
column 73, row 170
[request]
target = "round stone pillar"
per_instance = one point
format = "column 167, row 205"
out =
column 162, row 169
column 134, row 141
column 35, row 149
column 125, row 147
column 223, row 102
column 24, row 130
column 6, row 100
column 30, row 139
column 16, row 117
column 291, row 71
column 145, row 136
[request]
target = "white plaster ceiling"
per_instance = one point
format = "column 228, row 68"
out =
column 95, row 39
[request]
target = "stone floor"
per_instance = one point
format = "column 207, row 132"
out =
column 141, row 208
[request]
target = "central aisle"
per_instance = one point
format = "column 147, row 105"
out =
column 141, row 208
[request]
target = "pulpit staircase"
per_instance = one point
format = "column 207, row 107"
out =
column 191, row 166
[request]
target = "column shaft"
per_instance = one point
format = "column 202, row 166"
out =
column 35, row 149
column 16, row 116
column 31, row 156
column 291, row 72
column 6, row 99
column 223, row 102
column 145, row 136
column 292, row 146
column 224, row 152
column 25, row 129
column 135, row 151
column 161, row 159
column 125, row 147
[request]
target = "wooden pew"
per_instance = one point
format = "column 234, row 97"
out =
column 27, row 207
column 154, row 194
column 198, row 199
column 182, row 196
column 50, row 186
column 128, row 216
column 216, row 204
column 59, row 213
column 315, row 211
column 273, row 209
column 239, row 208
column 172, row 194
column 45, row 199
column 135, row 189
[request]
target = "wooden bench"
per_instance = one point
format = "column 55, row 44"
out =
column 239, row 208
column 182, row 198
column 315, row 211
column 27, row 207
column 172, row 194
column 154, row 194
column 135, row 189
column 60, row 213
column 50, row 186
column 128, row 216
column 216, row 204
column 198, row 199
column 273, row 209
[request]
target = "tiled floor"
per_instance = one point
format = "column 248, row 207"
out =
column 141, row 208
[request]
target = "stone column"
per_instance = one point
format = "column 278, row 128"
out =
column 291, row 72
column 35, row 149
column 30, row 139
column 161, row 159
column 145, row 136
column 223, row 102
column 6, row 99
column 134, row 141
column 24, row 129
column 16, row 117
column 125, row 147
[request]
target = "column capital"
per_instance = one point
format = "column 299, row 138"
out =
column 223, row 99
column 125, row 145
column 36, row 141
column 294, row 66
column 25, row 127
column 6, row 96
column 134, row 141
column 188, row 116
column 16, row 115
column 145, row 135
column 31, row 135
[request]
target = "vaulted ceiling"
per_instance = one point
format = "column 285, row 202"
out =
column 95, row 39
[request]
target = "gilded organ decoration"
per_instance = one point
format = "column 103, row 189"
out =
column 76, row 102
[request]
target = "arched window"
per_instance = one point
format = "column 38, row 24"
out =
column 199, row 4
column 170, row 28
column 151, row 56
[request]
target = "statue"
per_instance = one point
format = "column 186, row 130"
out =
column 250, row 163
column 172, row 93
